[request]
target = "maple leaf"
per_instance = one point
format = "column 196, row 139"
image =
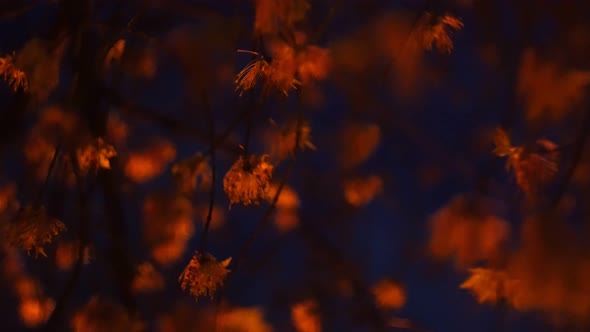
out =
column 465, row 230
column 95, row 155
column 485, row 284
column 549, row 91
column 437, row 33
column 503, row 147
column 534, row 169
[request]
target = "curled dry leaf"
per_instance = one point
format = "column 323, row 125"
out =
column 32, row 229
column 95, row 155
column 289, row 68
column 204, row 275
column 503, row 146
column 533, row 166
column 13, row 76
column 248, row 180
column 534, row 169
column 436, row 31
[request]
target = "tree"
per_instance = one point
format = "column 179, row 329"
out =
column 294, row 165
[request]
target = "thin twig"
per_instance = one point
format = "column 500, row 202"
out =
column 45, row 185
column 203, row 243
column 250, row 52
column 66, row 293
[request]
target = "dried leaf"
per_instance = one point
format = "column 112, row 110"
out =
column 204, row 275
column 549, row 91
column 358, row 143
column 466, row 231
column 247, row 181
column 503, row 147
column 15, row 77
column 40, row 61
column 389, row 295
column 150, row 162
column 305, row 317
column 101, row 314
column 361, row 191
column 115, row 53
column 193, row 173
column 34, row 311
column 32, row 229
column 95, row 155
column 243, row 319
column 487, row 285
column 436, row 31
column 273, row 15
column 147, row 279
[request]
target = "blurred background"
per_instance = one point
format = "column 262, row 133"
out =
column 305, row 165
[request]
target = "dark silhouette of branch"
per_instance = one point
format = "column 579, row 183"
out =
column 53, row 322
column 209, row 112
column 45, row 184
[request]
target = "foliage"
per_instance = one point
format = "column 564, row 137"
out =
column 346, row 156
